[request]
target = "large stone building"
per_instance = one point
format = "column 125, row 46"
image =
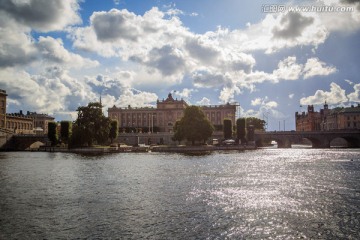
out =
column 3, row 96
column 30, row 123
column 167, row 112
column 19, row 123
column 41, row 121
column 339, row 118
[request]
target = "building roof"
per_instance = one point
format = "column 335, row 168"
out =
column 39, row 115
column 351, row 109
column 170, row 99
column 17, row 115
column 3, row 92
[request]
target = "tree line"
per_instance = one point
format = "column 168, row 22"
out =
column 194, row 126
column 92, row 127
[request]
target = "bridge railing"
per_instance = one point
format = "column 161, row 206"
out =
column 308, row 132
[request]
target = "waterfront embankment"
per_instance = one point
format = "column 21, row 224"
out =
column 162, row 148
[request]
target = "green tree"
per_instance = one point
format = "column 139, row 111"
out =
column 65, row 132
column 240, row 129
column 227, row 129
column 258, row 124
column 90, row 126
column 193, row 126
column 52, row 134
column 178, row 132
column 113, row 130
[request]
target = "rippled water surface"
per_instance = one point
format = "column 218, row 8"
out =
column 262, row 194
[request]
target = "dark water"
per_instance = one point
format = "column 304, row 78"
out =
column 263, row 194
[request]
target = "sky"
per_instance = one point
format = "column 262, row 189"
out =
column 272, row 58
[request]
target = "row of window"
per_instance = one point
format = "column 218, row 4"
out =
column 19, row 125
column 348, row 118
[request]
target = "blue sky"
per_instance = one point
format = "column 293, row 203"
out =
column 57, row 55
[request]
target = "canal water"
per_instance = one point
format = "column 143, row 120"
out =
column 262, row 194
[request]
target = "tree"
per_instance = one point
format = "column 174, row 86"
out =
column 65, row 132
column 91, row 125
column 52, row 134
column 240, row 129
column 227, row 129
column 258, row 124
column 178, row 132
column 193, row 126
column 113, row 130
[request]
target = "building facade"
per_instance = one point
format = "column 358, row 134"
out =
column 41, row 121
column 167, row 112
column 339, row 118
column 19, row 123
column 309, row 121
column 3, row 96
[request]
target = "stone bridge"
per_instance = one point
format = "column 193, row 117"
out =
column 318, row 139
column 25, row 142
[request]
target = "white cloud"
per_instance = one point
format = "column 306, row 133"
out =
column 256, row 102
column 203, row 102
column 288, row 69
column 314, row 67
column 53, row 90
column 157, row 50
column 291, row 96
column 335, row 96
column 52, row 50
column 227, row 94
column 292, row 26
column 264, row 102
column 349, row 82
column 116, row 90
column 42, row 15
column 185, row 93
column 355, row 96
column 165, row 51
column 136, row 98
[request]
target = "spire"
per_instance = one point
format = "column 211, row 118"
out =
column 100, row 100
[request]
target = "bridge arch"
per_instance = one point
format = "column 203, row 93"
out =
column 281, row 142
column 319, row 139
column 36, row 145
column 351, row 142
column 318, row 143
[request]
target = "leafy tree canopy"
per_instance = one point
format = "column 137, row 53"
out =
column 91, row 125
column 193, row 126
column 227, row 128
column 258, row 124
column 65, row 132
column 113, row 130
column 52, row 134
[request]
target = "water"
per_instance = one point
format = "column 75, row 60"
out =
column 262, row 194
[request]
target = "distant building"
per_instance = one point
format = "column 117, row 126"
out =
column 3, row 96
column 328, row 119
column 41, row 120
column 167, row 112
column 19, row 122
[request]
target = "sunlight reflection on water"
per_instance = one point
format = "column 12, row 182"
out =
column 268, row 193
